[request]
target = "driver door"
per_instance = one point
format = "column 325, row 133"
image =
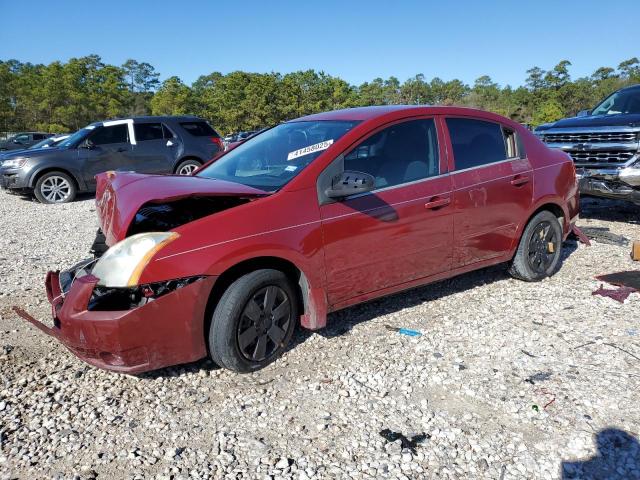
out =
column 403, row 229
column 106, row 148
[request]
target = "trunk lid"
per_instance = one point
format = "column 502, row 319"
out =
column 119, row 196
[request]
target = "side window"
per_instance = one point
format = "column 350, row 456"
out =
column 39, row 136
column 398, row 154
column 111, row 134
column 21, row 138
column 167, row 132
column 476, row 142
column 147, row 131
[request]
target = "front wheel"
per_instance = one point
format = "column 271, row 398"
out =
column 55, row 187
column 187, row 167
column 538, row 254
column 253, row 321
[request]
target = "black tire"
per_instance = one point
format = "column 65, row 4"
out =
column 187, row 167
column 238, row 330
column 55, row 187
column 538, row 254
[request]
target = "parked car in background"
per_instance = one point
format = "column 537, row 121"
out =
column 49, row 142
column 309, row 217
column 143, row 144
column 23, row 140
column 604, row 144
column 46, row 143
column 237, row 139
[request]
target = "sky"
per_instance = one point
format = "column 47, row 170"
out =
column 355, row 40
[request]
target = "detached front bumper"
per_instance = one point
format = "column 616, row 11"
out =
column 166, row 331
column 622, row 183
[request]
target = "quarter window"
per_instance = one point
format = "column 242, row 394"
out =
column 112, row 134
column 476, row 142
column 147, row 131
column 398, row 154
column 167, row 133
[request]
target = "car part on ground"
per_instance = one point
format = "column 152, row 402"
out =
column 619, row 294
column 603, row 235
column 309, row 217
column 604, row 144
column 160, row 145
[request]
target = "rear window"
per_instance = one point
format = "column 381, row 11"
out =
column 476, row 142
column 199, row 129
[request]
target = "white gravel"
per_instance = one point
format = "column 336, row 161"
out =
column 317, row 412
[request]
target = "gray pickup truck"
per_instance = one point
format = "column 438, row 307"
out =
column 604, row 144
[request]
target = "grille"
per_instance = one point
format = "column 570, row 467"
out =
column 608, row 158
column 591, row 137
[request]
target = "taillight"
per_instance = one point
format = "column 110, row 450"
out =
column 218, row 142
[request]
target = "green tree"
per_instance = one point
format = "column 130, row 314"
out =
column 172, row 98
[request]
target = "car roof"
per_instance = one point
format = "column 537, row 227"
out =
column 153, row 118
column 368, row 113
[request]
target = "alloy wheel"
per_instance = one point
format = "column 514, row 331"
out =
column 187, row 169
column 264, row 323
column 55, row 189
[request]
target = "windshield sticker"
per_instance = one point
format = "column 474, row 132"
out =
column 310, row 149
column 290, row 168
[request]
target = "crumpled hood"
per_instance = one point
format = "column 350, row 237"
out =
column 617, row 120
column 119, row 196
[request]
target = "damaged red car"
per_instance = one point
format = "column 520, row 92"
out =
column 308, row 217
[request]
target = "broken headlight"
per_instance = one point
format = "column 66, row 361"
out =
column 122, row 264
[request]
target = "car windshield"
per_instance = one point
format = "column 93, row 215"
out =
column 624, row 101
column 270, row 159
column 76, row 137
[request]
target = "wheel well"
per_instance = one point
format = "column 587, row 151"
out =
column 297, row 278
column 175, row 169
column 44, row 171
column 553, row 208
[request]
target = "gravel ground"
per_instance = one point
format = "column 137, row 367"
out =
column 508, row 380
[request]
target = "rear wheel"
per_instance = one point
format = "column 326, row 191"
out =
column 253, row 321
column 538, row 254
column 187, row 167
column 55, row 187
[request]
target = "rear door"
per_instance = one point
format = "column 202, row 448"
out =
column 109, row 148
column 493, row 188
column 152, row 153
column 401, row 231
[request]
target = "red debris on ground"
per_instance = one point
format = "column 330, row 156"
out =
column 620, row 294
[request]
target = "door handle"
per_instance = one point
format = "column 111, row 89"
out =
column 519, row 180
column 437, row 203
column 121, row 149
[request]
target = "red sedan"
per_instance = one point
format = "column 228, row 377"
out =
column 306, row 218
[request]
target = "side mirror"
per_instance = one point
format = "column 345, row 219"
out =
column 350, row 183
column 584, row 113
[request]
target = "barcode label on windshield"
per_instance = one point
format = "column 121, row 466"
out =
column 310, row 149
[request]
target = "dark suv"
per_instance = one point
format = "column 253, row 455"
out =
column 23, row 140
column 176, row 145
column 604, row 144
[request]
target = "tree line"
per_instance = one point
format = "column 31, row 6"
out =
column 61, row 97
